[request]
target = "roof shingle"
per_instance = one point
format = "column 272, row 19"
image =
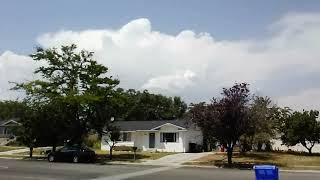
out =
column 148, row 125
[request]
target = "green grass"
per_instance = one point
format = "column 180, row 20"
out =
column 128, row 156
column 247, row 160
column 8, row 148
column 36, row 151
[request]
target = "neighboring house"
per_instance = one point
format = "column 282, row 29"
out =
column 160, row 135
column 6, row 127
column 278, row 146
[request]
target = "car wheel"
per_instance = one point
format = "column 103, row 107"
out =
column 75, row 159
column 51, row 158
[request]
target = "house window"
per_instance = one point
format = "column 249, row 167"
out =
column 169, row 137
column 126, row 136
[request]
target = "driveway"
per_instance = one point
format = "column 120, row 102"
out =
column 176, row 159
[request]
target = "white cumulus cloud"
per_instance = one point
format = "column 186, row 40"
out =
column 196, row 65
column 177, row 81
column 14, row 68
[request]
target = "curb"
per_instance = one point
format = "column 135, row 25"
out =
column 15, row 158
column 300, row 171
column 280, row 170
column 197, row 166
column 21, row 158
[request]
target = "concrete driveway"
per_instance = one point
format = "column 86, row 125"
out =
column 176, row 159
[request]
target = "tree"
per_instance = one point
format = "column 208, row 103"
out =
column 27, row 132
column 11, row 109
column 226, row 119
column 75, row 82
column 302, row 127
column 145, row 106
column 113, row 136
column 262, row 122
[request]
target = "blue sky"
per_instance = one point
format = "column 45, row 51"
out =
column 186, row 48
column 23, row 21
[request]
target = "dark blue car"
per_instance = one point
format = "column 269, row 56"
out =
column 72, row 153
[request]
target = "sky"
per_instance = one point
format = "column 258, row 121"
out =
column 187, row 48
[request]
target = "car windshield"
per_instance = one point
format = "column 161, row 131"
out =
column 86, row 148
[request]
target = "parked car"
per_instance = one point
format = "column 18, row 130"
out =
column 72, row 153
column 46, row 151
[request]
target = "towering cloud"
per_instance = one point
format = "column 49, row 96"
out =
column 284, row 65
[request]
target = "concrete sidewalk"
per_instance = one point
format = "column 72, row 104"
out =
column 176, row 159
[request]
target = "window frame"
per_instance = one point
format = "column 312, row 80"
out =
column 127, row 137
column 164, row 140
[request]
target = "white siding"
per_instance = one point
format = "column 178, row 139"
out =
column 192, row 136
column 105, row 146
column 141, row 140
column 169, row 146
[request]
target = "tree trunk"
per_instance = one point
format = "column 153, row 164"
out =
column 30, row 151
column 259, row 147
column 229, row 152
column 110, row 155
column 205, row 145
column 308, row 148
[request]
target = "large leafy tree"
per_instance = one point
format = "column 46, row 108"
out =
column 301, row 127
column 76, row 84
column 262, row 122
column 226, row 118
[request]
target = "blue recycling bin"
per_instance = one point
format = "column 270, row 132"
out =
column 266, row 172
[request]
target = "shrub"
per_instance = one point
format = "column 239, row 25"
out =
column 97, row 144
column 93, row 141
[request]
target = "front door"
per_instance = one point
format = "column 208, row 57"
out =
column 152, row 138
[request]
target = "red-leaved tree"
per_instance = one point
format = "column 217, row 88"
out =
column 226, row 118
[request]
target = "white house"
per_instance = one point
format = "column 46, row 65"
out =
column 6, row 127
column 161, row 135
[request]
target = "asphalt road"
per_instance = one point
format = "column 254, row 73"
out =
column 36, row 170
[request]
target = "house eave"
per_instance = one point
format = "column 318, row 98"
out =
column 182, row 128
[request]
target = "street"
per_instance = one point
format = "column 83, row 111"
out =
column 23, row 169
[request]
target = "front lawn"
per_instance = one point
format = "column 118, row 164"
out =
column 8, row 148
column 128, row 156
column 36, row 152
column 247, row 160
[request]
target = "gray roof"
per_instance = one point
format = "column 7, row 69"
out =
column 148, row 125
